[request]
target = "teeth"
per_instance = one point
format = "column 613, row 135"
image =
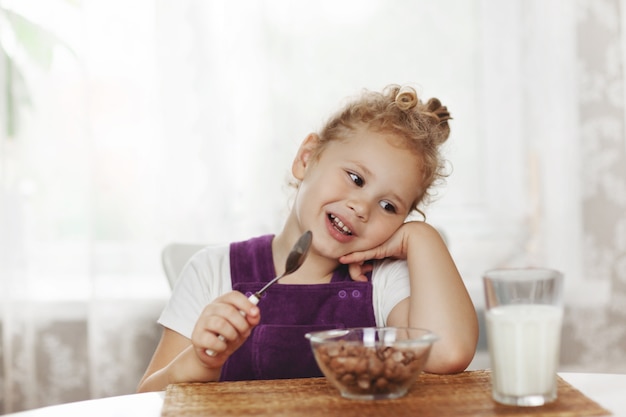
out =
column 339, row 224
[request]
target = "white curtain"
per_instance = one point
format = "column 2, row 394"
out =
column 177, row 121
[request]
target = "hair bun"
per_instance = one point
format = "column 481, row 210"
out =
column 406, row 98
column 434, row 106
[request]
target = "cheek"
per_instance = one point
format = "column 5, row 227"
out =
column 325, row 185
column 385, row 228
column 309, row 198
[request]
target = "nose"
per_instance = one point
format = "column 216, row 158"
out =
column 360, row 208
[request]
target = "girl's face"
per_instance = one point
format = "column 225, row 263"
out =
column 358, row 191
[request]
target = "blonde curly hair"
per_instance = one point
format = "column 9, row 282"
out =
column 423, row 128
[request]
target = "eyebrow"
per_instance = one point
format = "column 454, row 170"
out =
column 363, row 168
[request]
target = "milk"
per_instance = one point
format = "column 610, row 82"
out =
column 524, row 342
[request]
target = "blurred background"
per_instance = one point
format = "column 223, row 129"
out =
column 125, row 126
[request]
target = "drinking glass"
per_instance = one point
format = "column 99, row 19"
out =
column 524, row 314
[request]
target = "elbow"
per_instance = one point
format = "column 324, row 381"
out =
column 451, row 358
column 450, row 363
column 456, row 349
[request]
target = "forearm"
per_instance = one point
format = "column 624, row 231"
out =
column 439, row 301
column 185, row 367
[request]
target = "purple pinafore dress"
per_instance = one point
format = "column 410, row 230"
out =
column 277, row 347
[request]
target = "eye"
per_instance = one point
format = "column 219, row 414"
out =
column 387, row 206
column 356, row 179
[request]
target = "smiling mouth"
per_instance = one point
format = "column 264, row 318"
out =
column 339, row 226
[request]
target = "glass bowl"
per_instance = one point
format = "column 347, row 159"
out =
column 370, row 363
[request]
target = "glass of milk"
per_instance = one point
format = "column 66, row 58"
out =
column 524, row 313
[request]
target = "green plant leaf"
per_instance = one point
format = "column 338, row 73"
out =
column 17, row 96
column 38, row 42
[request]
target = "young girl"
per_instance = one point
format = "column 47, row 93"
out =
column 358, row 180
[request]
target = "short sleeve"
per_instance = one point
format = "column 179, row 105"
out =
column 391, row 284
column 205, row 277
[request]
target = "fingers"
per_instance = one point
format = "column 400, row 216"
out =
column 240, row 302
column 224, row 325
column 394, row 247
column 212, row 352
column 358, row 270
column 360, row 257
column 217, row 331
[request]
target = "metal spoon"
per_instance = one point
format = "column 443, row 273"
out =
column 295, row 259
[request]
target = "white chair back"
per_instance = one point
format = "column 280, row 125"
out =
column 174, row 257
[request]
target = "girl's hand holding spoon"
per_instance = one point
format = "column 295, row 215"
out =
column 221, row 328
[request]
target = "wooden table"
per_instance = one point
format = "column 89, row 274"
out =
column 581, row 394
column 465, row 394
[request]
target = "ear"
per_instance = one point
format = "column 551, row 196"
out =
column 304, row 157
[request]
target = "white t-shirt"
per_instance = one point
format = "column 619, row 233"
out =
column 206, row 276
